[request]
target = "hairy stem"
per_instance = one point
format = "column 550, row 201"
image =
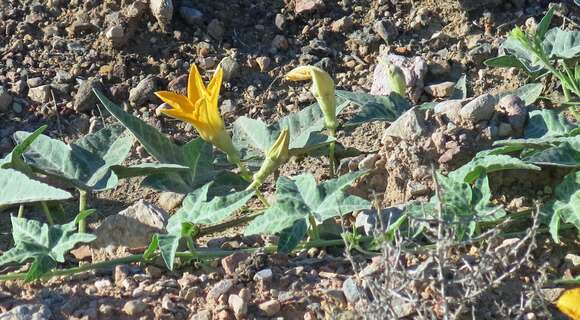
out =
column 83, row 197
column 331, row 150
column 46, row 211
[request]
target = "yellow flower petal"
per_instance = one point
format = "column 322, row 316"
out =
column 175, row 100
column 195, row 86
column 180, row 115
column 569, row 303
column 299, row 74
column 214, row 92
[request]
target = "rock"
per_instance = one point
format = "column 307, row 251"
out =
column 227, row 107
column 231, row 262
column 80, row 27
column 5, row 99
column 341, row 25
column 201, row 315
column 440, row 90
column 40, row 94
column 238, row 305
column 17, row 107
column 170, row 200
column 480, row 53
column 220, row 288
column 143, row 92
column 516, row 112
column 231, row 68
column 368, row 219
column 368, row 162
column 263, row 63
column 132, row 227
column 504, row 130
column 351, row 290
column 386, row 30
column 27, row 312
column 63, row 76
column 191, row 16
column 414, row 70
column 478, row 109
column 280, row 21
column 134, row 307
column 409, row 126
column 574, row 261
column 280, row 42
column 162, row 10
column 167, row 304
column 34, row 82
column 116, row 34
column 85, row 99
column 336, row 295
column 216, row 29
column 103, row 284
column 450, row 108
column 270, row 308
column 307, row 6
column 263, row 275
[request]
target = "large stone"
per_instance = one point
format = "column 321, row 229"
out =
column 132, row 227
column 162, row 10
column 144, row 91
column 440, row 90
column 27, row 312
column 231, row 68
column 85, row 99
column 191, row 16
column 409, row 126
column 170, row 200
column 231, row 262
column 201, row 315
column 479, row 109
column 220, row 288
column 40, row 94
column 351, row 290
column 307, row 6
column 450, row 108
column 516, row 112
column 270, row 308
column 369, row 220
column 134, row 307
column 5, row 99
column 238, row 305
column 216, row 29
column 414, row 69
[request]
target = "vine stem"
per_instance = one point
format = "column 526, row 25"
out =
column 247, row 175
column 198, row 254
column 83, row 197
column 46, row 211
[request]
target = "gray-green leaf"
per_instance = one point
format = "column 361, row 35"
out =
column 17, row 188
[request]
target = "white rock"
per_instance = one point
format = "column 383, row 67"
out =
column 132, row 227
column 162, row 10
column 40, row 94
column 27, row 312
column 478, row 109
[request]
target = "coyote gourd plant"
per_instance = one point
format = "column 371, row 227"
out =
column 543, row 51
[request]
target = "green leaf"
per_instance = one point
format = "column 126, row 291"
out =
column 562, row 44
column 253, row 137
column 153, row 245
column 196, row 208
column 374, row 108
column 17, row 188
column 168, row 244
column 505, row 61
column 565, row 208
column 85, row 164
column 46, row 244
column 14, row 159
column 299, row 197
column 565, row 155
column 485, row 163
column 529, row 93
column 460, row 89
column 196, row 154
column 545, row 24
column 291, row 237
column 547, row 123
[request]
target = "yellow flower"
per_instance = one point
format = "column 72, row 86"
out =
column 275, row 157
column 200, row 108
column 569, row 303
column 322, row 89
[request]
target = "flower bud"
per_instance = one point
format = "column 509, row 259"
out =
column 275, row 157
column 322, row 89
column 396, row 79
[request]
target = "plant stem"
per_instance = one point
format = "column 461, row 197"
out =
column 247, row 175
column 21, row 211
column 83, row 197
column 331, row 158
column 46, row 211
column 199, row 254
column 227, row 224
